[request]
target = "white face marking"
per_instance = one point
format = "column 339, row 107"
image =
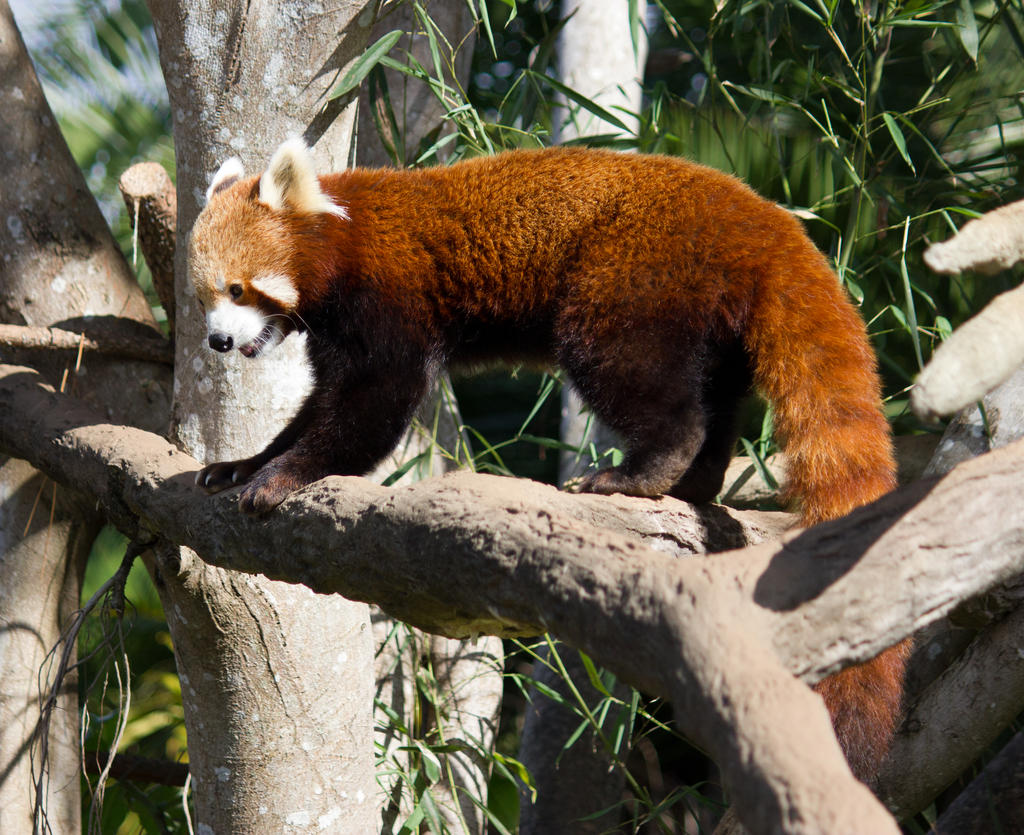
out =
column 242, row 323
column 279, row 287
column 250, row 331
column 220, row 284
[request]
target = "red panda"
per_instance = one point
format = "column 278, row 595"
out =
column 664, row 289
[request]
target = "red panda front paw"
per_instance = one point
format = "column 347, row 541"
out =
column 224, row 474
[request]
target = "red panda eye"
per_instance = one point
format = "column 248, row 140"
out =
column 235, row 290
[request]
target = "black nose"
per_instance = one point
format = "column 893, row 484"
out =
column 220, row 342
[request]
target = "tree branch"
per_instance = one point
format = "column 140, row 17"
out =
column 956, row 717
column 994, row 801
column 988, row 348
column 981, row 354
column 137, row 769
column 470, row 553
column 988, row 244
column 141, row 344
column 152, row 204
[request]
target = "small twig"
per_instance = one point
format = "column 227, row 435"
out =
column 67, row 644
column 184, row 802
column 120, row 578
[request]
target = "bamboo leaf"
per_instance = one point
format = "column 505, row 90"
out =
column 515, row 768
column 384, row 118
column 593, row 675
column 807, row 10
column 485, row 19
column 575, row 735
column 967, row 28
column 431, row 764
column 762, row 93
column 428, row 28
column 759, row 464
column 635, row 22
column 582, row 101
column 548, row 386
column 911, row 317
column 408, row 465
column 366, row 62
column 900, row 317
column 898, row 139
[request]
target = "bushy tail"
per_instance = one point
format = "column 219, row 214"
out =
column 812, row 361
column 865, row 703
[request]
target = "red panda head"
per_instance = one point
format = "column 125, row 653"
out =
column 241, row 251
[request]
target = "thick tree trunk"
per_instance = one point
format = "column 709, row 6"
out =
column 60, row 267
column 276, row 681
column 40, row 578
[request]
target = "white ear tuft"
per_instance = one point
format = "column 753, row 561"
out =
column 229, row 173
column 290, row 181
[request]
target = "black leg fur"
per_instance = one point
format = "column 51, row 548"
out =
column 351, row 429
column 729, row 383
column 660, row 417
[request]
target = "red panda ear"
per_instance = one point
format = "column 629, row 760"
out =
column 290, row 182
column 230, row 172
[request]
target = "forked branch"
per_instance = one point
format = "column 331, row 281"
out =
column 469, row 553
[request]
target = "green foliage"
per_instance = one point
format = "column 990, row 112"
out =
column 101, row 73
column 412, row 755
column 131, row 699
column 866, row 120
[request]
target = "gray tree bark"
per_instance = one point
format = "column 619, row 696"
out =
column 60, row 267
column 979, row 687
column 994, row 801
column 276, row 680
column 967, row 683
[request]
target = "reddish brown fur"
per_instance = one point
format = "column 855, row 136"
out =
column 662, row 287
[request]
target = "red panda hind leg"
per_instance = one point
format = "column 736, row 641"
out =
column 680, row 428
column 729, row 382
column 663, row 436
